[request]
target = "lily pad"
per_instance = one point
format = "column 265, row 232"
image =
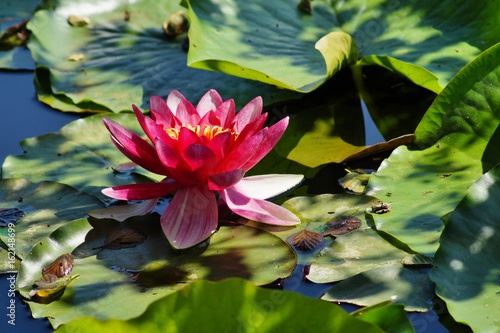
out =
column 466, row 271
column 409, row 287
column 80, row 155
column 14, row 15
column 46, row 207
column 389, row 317
column 353, row 253
column 246, row 309
column 426, row 41
column 124, row 58
column 428, row 179
column 122, row 282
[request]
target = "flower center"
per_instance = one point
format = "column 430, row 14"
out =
column 208, row 131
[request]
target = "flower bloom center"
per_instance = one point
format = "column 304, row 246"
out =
column 208, row 131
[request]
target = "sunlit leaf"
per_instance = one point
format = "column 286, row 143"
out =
column 426, row 41
column 453, row 147
column 466, row 270
column 210, row 307
column 125, row 58
column 49, row 288
column 46, row 205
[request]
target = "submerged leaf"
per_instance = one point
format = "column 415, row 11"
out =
column 306, row 240
column 123, row 237
column 342, row 225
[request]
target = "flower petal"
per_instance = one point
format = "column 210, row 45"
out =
column 267, row 186
column 274, row 133
column 190, row 218
column 134, row 147
column 187, row 114
column 248, row 113
column 225, row 112
column 142, row 191
column 257, row 209
column 151, row 128
column 239, row 156
column 224, row 180
column 123, row 212
column 173, row 100
column 160, row 112
column 209, row 102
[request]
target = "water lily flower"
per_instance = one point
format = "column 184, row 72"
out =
column 204, row 153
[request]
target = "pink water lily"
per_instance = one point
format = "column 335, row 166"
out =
column 204, row 152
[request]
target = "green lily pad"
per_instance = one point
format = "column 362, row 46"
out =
column 208, row 305
column 354, row 253
column 122, row 57
column 13, row 34
column 409, row 287
column 428, row 41
column 271, row 42
column 466, row 271
column 389, row 317
column 426, row 181
column 80, row 155
column 45, row 206
column 122, row 281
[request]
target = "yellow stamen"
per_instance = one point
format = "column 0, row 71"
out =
column 208, row 131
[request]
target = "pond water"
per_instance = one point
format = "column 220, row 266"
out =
column 22, row 116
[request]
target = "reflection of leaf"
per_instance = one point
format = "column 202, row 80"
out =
column 62, row 266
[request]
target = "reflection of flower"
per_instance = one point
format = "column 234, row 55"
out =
column 203, row 150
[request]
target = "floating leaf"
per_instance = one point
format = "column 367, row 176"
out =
column 62, row 266
column 342, row 225
column 456, row 137
column 417, row 261
column 466, row 270
column 144, row 61
column 46, row 206
column 355, row 181
column 409, row 287
column 246, row 308
column 122, row 283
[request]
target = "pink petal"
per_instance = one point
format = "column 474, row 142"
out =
column 142, row 191
column 190, row 218
column 257, row 210
column 274, row 134
column 152, row 129
column 225, row 112
column 187, row 114
column 160, row 112
column 267, row 186
column 249, row 112
column 176, row 167
column 224, row 180
column 173, row 100
column 198, row 156
column 209, row 102
column 241, row 154
column 123, row 212
column 220, row 145
column 209, row 119
column 134, row 147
